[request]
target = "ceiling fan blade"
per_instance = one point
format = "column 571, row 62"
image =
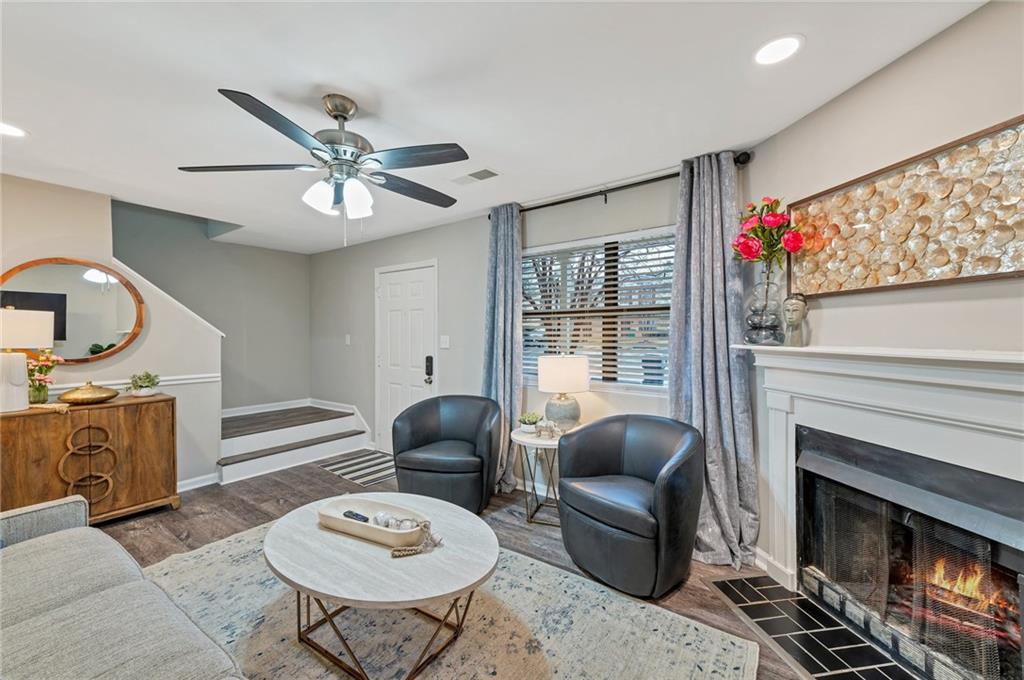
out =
column 418, row 156
column 338, row 195
column 277, row 121
column 234, row 168
column 406, row 187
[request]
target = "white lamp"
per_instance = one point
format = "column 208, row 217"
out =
column 562, row 375
column 20, row 329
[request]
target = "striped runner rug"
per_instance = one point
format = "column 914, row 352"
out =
column 363, row 467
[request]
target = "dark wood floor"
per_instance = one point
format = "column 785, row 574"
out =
column 215, row 512
column 238, row 426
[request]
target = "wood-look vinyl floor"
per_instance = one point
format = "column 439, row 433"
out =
column 214, row 512
column 238, row 426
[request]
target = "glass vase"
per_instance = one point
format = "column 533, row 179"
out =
column 38, row 394
column 764, row 319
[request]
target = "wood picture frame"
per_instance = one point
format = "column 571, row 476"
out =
column 902, row 210
column 140, row 305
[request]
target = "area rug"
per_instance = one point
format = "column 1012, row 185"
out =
column 363, row 467
column 529, row 621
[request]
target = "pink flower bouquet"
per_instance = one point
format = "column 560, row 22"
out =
column 765, row 235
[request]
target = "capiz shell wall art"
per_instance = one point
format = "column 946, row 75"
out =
column 950, row 214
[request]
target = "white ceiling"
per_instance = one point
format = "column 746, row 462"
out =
column 556, row 98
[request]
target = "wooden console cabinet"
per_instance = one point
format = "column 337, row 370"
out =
column 121, row 455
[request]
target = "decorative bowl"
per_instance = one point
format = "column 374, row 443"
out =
column 144, row 392
column 88, row 394
column 332, row 517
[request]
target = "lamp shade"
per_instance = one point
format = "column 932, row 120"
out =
column 563, row 373
column 26, row 329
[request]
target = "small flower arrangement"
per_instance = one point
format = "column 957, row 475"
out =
column 765, row 235
column 39, row 378
column 40, row 368
column 143, row 384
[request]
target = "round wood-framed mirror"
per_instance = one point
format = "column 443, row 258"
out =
column 98, row 312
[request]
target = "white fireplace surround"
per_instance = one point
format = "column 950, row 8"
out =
column 958, row 406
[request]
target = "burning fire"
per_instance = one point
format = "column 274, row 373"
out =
column 968, row 583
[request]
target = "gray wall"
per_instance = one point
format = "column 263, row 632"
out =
column 259, row 298
column 342, row 297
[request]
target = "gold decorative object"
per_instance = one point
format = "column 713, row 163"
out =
column 955, row 213
column 88, row 394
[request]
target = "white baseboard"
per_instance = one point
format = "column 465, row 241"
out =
column 775, row 569
column 262, row 408
column 196, row 482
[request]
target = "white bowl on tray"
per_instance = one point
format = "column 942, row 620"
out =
column 332, row 516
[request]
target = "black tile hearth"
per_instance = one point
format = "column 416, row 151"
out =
column 863, row 656
column 779, row 626
column 776, row 593
column 811, row 638
column 838, row 637
column 806, row 661
column 761, row 610
column 748, row 591
column 894, row 672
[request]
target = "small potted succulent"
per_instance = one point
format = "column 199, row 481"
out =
column 143, row 384
column 528, row 422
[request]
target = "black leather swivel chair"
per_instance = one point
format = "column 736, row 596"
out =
column 630, row 492
column 447, row 447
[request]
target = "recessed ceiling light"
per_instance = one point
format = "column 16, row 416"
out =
column 11, row 131
column 779, row 49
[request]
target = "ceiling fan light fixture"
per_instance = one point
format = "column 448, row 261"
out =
column 358, row 199
column 320, row 197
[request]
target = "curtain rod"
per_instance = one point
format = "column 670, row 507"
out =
column 742, row 158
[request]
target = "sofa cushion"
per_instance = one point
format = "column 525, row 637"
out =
column 130, row 631
column 620, row 501
column 447, row 455
column 56, row 569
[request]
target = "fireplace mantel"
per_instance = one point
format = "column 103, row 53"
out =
column 959, row 406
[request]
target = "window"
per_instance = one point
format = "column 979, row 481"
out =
column 609, row 301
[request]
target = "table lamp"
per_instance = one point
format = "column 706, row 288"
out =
column 562, row 375
column 20, row 329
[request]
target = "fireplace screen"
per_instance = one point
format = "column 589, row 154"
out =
column 935, row 583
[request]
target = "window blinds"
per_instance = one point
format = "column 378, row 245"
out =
column 607, row 301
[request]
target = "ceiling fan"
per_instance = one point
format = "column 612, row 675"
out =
column 349, row 159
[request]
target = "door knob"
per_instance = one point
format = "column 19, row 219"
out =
column 429, row 380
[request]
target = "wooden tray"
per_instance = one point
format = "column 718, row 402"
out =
column 332, row 517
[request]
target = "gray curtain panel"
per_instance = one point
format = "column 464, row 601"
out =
column 503, row 329
column 709, row 384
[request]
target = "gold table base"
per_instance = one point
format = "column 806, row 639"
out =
column 530, row 485
column 355, row 669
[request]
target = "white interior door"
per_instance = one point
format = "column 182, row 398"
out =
column 406, row 336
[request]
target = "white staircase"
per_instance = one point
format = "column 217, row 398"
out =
column 258, row 443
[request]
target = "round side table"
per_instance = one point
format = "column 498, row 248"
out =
column 545, row 453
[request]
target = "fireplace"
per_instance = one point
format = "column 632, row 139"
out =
column 924, row 557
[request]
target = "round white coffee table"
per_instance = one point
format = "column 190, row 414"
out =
column 327, row 566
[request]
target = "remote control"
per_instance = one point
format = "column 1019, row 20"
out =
column 356, row 516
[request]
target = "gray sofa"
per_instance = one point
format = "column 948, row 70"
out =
column 75, row 605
